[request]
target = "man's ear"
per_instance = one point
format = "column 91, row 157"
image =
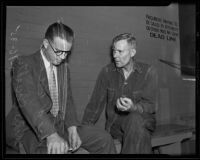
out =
column 133, row 52
column 45, row 43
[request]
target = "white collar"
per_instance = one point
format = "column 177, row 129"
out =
column 46, row 62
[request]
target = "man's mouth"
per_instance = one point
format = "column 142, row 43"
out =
column 59, row 61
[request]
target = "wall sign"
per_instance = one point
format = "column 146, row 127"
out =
column 161, row 28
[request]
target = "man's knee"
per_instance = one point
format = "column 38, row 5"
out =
column 12, row 149
column 106, row 137
column 32, row 145
column 107, row 143
column 134, row 118
column 137, row 124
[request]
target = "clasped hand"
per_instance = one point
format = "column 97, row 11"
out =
column 125, row 104
column 74, row 139
column 56, row 144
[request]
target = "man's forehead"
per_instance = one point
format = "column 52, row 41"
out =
column 121, row 43
column 60, row 40
column 62, row 44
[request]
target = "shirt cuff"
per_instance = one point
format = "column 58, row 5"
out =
column 140, row 108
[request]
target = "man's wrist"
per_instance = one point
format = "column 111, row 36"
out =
column 52, row 135
column 137, row 107
column 72, row 128
column 133, row 107
column 140, row 108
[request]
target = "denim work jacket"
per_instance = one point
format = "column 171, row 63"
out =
column 140, row 87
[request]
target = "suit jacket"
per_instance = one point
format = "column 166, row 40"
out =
column 32, row 101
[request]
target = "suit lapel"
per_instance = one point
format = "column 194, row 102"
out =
column 42, row 74
column 62, row 81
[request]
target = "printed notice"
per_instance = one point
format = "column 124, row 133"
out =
column 161, row 28
column 13, row 50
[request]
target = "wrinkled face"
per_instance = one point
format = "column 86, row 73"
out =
column 57, row 50
column 122, row 53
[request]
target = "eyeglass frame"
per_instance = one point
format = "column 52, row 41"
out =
column 59, row 51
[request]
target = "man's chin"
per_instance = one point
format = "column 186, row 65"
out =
column 118, row 65
column 57, row 63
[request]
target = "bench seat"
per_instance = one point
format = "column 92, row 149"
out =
column 166, row 139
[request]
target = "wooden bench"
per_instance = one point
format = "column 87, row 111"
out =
column 169, row 137
column 166, row 139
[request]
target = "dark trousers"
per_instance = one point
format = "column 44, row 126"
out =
column 94, row 140
column 134, row 131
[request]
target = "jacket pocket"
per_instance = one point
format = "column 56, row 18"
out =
column 137, row 95
column 19, row 126
column 111, row 94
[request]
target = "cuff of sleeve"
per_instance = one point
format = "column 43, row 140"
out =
column 67, row 125
column 140, row 108
column 45, row 128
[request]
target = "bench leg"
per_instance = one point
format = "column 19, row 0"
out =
column 174, row 149
column 156, row 150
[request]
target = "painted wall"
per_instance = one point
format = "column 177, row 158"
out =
column 94, row 27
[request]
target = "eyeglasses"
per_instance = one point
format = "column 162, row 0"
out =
column 60, row 52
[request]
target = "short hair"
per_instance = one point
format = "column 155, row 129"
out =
column 58, row 29
column 125, row 36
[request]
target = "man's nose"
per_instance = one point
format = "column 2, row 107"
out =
column 115, row 54
column 63, row 56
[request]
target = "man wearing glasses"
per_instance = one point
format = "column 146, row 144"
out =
column 43, row 117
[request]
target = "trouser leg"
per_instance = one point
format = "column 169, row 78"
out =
column 32, row 145
column 12, row 145
column 12, row 149
column 96, row 140
column 134, row 130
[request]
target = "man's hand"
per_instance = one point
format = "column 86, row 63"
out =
column 74, row 139
column 125, row 104
column 56, row 144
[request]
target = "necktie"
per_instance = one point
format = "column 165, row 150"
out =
column 53, row 91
